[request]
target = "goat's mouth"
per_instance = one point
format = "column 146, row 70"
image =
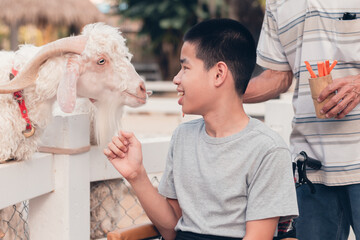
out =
column 138, row 98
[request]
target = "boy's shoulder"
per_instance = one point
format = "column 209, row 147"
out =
column 256, row 131
column 265, row 134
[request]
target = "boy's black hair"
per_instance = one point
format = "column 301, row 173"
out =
column 228, row 41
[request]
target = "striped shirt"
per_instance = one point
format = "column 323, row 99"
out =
column 295, row 31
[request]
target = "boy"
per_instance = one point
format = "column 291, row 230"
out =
column 227, row 176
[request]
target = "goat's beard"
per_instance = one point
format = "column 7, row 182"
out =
column 107, row 122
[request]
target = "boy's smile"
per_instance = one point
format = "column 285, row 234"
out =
column 180, row 94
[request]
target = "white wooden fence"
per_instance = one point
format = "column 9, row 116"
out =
column 58, row 185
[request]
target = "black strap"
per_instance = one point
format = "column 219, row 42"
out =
column 183, row 235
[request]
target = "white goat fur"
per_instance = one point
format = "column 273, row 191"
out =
column 113, row 86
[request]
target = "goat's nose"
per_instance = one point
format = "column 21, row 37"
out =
column 142, row 87
column 142, row 90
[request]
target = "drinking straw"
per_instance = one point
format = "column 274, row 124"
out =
column 321, row 68
column 325, row 69
column 308, row 67
column 327, row 66
column 332, row 66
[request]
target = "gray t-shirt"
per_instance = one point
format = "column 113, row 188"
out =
column 221, row 183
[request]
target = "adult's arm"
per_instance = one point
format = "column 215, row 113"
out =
column 268, row 85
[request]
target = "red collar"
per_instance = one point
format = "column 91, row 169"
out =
column 30, row 130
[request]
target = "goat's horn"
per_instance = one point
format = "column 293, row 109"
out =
column 27, row 75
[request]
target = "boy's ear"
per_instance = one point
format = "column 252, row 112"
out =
column 221, row 73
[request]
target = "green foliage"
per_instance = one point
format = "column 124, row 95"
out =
column 262, row 3
column 164, row 20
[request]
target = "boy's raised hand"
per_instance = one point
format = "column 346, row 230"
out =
column 124, row 152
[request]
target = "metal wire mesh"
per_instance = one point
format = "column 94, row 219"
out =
column 14, row 222
column 113, row 205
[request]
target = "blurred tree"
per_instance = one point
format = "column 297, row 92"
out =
column 251, row 14
column 165, row 21
column 248, row 12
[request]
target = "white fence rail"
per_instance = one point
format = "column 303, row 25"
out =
column 58, row 185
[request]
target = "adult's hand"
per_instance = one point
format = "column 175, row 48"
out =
column 346, row 98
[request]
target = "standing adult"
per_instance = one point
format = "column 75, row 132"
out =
column 295, row 31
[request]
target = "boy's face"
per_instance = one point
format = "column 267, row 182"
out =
column 193, row 82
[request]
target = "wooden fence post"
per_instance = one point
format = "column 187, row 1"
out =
column 65, row 212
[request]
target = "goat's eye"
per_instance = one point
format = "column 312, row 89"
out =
column 101, row 61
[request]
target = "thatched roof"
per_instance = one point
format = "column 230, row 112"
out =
column 42, row 12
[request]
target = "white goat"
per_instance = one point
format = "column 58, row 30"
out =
column 94, row 65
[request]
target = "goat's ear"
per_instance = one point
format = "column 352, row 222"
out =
column 66, row 92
